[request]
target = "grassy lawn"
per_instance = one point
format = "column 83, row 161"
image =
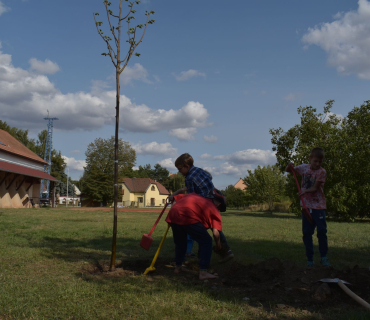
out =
column 48, row 258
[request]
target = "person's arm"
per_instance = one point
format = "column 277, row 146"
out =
column 182, row 190
column 288, row 167
column 315, row 187
column 216, row 237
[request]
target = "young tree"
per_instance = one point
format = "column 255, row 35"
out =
column 99, row 174
column 114, row 52
column 265, row 185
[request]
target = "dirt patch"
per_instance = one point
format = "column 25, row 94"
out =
column 284, row 282
column 273, row 283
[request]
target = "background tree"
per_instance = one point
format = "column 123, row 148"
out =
column 175, row 182
column 346, row 145
column 265, row 185
column 235, row 197
column 114, row 52
column 99, row 171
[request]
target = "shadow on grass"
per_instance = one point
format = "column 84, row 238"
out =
column 96, row 251
column 261, row 214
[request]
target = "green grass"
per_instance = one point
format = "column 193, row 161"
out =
column 44, row 255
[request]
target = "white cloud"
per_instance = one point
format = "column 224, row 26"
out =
column 205, row 156
column 22, row 90
column 74, row 164
column 137, row 72
column 229, row 169
column 183, row 134
column 3, row 8
column 44, row 67
column 346, row 41
column 248, row 157
column 210, row 139
column 186, row 75
column 292, row 96
column 168, row 163
column 155, row 149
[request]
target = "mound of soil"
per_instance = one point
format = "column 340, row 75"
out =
column 271, row 282
column 285, row 282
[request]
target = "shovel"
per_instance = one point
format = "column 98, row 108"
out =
column 343, row 286
column 152, row 268
column 305, row 211
column 146, row 240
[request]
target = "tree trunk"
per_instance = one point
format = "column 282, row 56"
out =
column 114, row 239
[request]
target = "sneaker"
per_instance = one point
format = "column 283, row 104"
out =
column 310, row 264
column 226, row 257
column 325, row 262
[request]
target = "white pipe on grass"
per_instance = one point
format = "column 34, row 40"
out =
column 353, row 295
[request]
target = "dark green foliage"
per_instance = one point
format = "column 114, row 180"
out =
column 98, row 178
column 175, row 182
column 236, row 198
column 347, row 152
column 265, row 185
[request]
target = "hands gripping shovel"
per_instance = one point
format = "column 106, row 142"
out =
column 305, row 211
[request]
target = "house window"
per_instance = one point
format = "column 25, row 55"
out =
column 153, row 188
column 163, row 201
column 140, row 199
column 152, row 202
column 122, row 191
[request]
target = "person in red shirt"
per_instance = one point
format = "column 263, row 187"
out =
column 193, row 215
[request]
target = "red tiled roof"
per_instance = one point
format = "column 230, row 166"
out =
column 142, row 184
column 12, row 145
column 14, row 168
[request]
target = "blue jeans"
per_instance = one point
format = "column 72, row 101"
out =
column 319, row 221
column 191, row 242
column 199, row 234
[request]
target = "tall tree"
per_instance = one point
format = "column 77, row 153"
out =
column 99, row 171
column 175, row 182
column 265, row 185
column 114, row 52
column 347, row 150
column 235, row 197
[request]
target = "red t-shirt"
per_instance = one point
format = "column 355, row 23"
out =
column 192, row 208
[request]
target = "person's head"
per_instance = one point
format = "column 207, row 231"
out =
column 316, row 158
column 183, row 163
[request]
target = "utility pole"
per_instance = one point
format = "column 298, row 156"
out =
column 47, row 156
column 67, row 187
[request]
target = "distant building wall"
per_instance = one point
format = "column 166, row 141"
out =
column 21, row 198
column 240, row 185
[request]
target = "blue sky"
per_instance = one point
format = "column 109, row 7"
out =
column 212, row 79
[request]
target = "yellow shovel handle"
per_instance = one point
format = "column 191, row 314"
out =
column 151, row 268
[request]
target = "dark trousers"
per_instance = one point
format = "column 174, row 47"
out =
column 222, row 240
column 199, row 234
column 319, row 221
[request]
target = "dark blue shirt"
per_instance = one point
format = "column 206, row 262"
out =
column 199, row 181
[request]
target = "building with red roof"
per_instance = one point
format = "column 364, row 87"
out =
column 21, row 171
column 143, row 192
